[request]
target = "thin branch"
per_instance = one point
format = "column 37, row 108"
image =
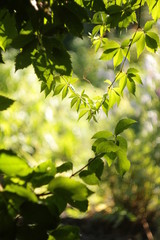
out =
column 91, row 160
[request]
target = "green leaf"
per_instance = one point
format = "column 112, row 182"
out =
column 122, row 143
column 65, row 91
column 70, row 188
column 110, row 48
column 118, row 58
column 133, row 75
column 140, row 44
column 23, row 59
column 138, row 35
column 108, row 54
column 65, row 167
column 5, row 102
column 78, row 104
column 74, row 100
column 96, row 167
column 80, row 205
column 113, row 98
column 99, row 17
column 131, row 86
column 123, row 124
column 66, row 232
column 123, row 164
column 107, row 146
column 110, row 157
column 8, row 30
column 13, row 166
column 102, row 135
column 154, row 7
column 125, row 43
column 89, row 177
column 21, row 191
column 122, row 82
column 37, row 214
column 97, row 44
column 152, row 41
column 148, row 25
column 82, row 113
column 47, row 167
column 58, row 88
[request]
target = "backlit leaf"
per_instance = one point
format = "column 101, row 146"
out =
column 123, row 124
column 89, row 177
column 107, row 146
column 140, row 45
column 70, row 187
column 123, row 164
column 102, row 135
column 14, row 166
column 22, row 192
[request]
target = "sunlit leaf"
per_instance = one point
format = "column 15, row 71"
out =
column 123, row 164
column 118, row 58
column 21, row 191
column 140, row 44
column 107, row 146
column 89, row 177
column 70, row 187
column 131, row 86
column 102, row 135
column 13, row 165
column 148, row 25
column 123, row 124
column 65, row 92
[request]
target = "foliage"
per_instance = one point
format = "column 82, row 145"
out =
column 32, row 198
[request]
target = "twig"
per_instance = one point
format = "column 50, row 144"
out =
column 90, row 161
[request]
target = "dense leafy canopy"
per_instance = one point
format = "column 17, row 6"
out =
column 32, row 198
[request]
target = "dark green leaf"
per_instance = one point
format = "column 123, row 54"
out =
column 5, row 102
column 1, row 58
column 96, row 167
column 65, row 167
column 152, row 41
column 8, row 30
column 37, row 214
column 66, row 232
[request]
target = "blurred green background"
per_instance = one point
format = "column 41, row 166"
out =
column 40, row 128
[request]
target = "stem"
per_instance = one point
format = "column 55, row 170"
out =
column 91, row 160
